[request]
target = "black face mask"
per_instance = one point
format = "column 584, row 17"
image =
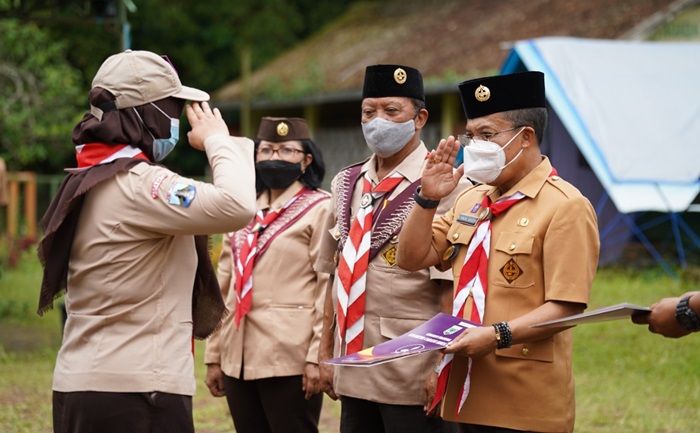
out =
column 277, row 174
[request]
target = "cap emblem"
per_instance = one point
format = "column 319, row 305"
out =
column 282, row 129
column 400, row 76
column 482, row 93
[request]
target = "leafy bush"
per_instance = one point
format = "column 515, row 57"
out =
column 40, row 97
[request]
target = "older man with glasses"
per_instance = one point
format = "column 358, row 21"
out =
column 523, row 247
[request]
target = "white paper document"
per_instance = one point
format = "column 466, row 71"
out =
column 613, row 312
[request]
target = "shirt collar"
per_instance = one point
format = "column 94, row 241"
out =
column 531, row 184
column 411, row 167
column 264, row 199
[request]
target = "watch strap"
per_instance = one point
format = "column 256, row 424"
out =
column 685, row 315
column 424, row 202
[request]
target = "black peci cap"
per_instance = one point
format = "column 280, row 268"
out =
column 488, row 95
column 393, row 80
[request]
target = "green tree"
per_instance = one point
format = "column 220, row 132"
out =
column 40, row 96
column 203, row 39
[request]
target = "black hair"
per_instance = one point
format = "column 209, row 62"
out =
column 418, row 104
column 536, row 118
column 314, row 173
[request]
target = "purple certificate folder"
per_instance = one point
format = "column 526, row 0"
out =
column 434, row 334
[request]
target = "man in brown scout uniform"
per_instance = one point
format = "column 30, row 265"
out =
column 119, row 238
column 371, row 299
column 523, row 248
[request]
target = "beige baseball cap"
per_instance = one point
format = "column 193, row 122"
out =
column 139, row 77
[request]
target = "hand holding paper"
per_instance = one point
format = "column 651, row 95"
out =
column 435, row 334
column 474, row 342
column 613, row 312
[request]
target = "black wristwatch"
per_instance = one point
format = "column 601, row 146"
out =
column 685, row 315
column 424, row 202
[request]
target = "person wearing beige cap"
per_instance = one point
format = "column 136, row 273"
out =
column 264, row 358
column 123, row 236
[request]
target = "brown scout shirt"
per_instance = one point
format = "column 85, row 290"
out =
column 552, row 237
column 132, row 269
column 282, row 330
column 396, row 302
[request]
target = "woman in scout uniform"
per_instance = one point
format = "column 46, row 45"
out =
column 264, row 358
column 123, row 236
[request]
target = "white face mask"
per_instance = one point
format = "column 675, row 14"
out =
column 387, row 138
column 485, row 160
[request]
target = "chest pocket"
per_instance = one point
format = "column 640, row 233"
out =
column 513, row 260
column 537, row 351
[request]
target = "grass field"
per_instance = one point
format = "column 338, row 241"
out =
column 627, row 379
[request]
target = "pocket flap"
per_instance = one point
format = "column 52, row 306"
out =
column 460, row 233
column 514, row 243
column 537, row 351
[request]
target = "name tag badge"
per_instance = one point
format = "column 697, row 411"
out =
column 467, row 219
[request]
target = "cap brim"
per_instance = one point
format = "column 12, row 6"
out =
column 192, row 94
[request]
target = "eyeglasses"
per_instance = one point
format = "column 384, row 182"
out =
column 284, row 152
column 464, row 139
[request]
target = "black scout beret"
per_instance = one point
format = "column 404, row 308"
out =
column 392, row 80
column 278, row 129
column 488, row 95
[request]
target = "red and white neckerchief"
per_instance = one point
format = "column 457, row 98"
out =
column 90, row 154
column 353, row 263
column 473, row 280
column 244, row 261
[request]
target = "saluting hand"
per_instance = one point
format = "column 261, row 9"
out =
column 205, row 123
column 439, row 178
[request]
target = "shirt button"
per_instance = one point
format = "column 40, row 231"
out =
column 525, row 350
column 555, row 178
column 455, row 236
column 512, row 246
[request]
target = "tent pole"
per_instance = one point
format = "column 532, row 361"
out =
column 610, row 226
column 679, row 240
column 601, row 203
column 649, row 246
column 656, row 221
column 689, row 231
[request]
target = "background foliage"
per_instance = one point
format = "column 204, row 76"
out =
column 40, row 94
column 56, row 46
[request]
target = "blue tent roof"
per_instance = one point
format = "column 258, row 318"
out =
column 633, row 110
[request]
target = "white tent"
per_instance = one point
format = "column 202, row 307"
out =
column 633, row 111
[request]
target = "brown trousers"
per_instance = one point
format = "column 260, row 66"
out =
column 118, row 412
